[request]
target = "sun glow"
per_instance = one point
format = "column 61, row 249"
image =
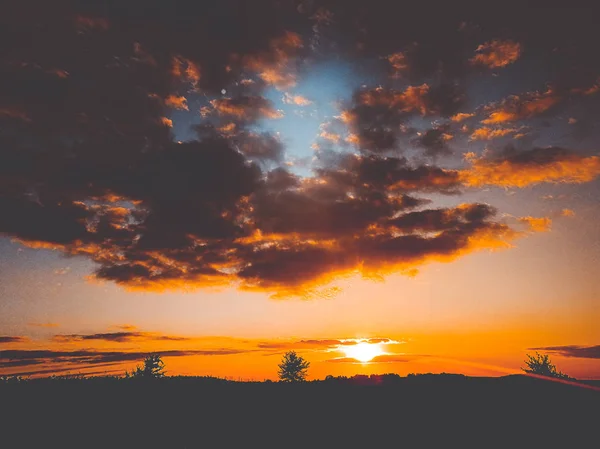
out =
column 363, row 351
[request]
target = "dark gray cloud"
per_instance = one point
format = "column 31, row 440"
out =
column 120, row 337
column 8, row 339
column 584, row 352
column 16, row 357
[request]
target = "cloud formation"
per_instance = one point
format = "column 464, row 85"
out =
column 120, row 337
column 298, row 100
column 8, row 339
column 497, row 53
column 92, row 162
column 521, row 107
column 512, row 168
column 585, row 352
column 376, row 115
column 16, row 357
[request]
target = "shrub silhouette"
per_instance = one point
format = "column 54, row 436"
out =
column 541, row 364
column 153, row 368
column 293, row 368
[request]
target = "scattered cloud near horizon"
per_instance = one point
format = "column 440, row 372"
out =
column 120, row 337
column 585, row 352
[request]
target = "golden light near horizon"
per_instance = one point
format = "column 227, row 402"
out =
column 363, row 352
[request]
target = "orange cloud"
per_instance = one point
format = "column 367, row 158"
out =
column 522, row 107
column 332, row 137
column 275, row 65
column 594, row 88
column 457, row 118
column 412, row 99
column 167, row 122
column 250, row 108
column 177, row 102
column 567, row 213
column 228, row 128
column 45, row 325
column 497, row 53
column 553, row 165
column 277, row 78
column 398, row 63
column 185, row 70
column 542, row 224
column 298, row 100
column 486, row 133
column 125, row 327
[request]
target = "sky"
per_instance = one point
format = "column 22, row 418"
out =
column 380, row 188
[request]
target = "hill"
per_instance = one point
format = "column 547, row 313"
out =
column 186, row 412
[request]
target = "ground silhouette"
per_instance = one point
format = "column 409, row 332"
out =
column 361, row 411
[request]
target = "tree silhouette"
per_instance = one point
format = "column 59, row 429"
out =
column 153, row 368
column 541, row 364
column 293, row 368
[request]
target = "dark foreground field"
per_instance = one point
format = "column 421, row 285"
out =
column 421, row 411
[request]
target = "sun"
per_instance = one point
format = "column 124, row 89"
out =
column 363, row 351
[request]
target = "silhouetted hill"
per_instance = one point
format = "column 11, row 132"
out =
column 371, row 412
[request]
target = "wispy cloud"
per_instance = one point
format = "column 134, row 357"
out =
column 44, row 325
column 9, row 339
column 584, row 352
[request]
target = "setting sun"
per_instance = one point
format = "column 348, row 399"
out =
column 363, row 351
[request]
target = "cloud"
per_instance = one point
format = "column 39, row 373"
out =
column 276, row 66
column 90, row 164
column 7, row 339
column 461, row 116
column 246, row 108
column 487, row 133
column 82, row 358
column 298, row 100
column 176, row 102
column 260, row 146
column 125, row 327
column 567, row 213
column 435, row 141
column 376, row 115
column 542, row 224
column 293, row 265
column 120, row 337
column 513, row 168
column 332, row 137
column 325, row 344
column 301, row 344
column 186, row 71
column 497, row 53
column 45, row 325
column 384, row 358
column 521, row 107
column 86, row 23
column 585, row 352
column 398, row 64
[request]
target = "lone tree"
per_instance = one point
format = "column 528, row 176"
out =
column 293, row 368
column 541, row 364
column 153, row 368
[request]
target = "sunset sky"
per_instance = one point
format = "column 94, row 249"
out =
column 382, row 189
